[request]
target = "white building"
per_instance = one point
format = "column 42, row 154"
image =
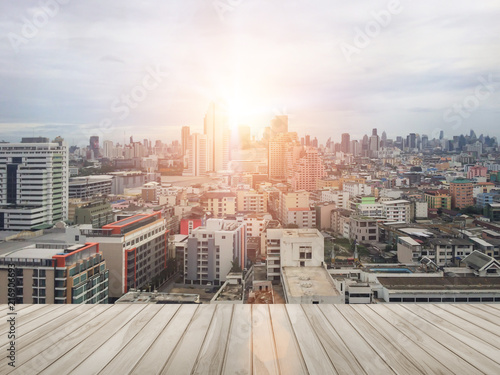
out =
column 33, row 183
column 293, row 248
column 356, row 188
column 340, row 198
column 196, row 155
column 210, row 250
column 397, row 210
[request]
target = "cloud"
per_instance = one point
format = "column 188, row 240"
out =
column 274, row 53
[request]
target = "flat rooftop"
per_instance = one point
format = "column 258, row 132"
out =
column 257, row 339
column 230, row 292
column 33, row 253
column 302, row 232
column 158, row 298
column 310, row 281
column 441, row 283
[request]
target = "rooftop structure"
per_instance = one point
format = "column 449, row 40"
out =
column 138, row 297
column 309, row 285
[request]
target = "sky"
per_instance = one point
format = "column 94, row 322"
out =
column 146, row 68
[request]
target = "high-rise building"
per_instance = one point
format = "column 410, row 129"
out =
column 345, row 143
column 308, row 171
column 384, row 139
column 135, row 249
column 374, row 144
column 33, row 184
column 279, row 124
column 374, row 131
column 425, row 142
column 277, row 155
column 210, row 250
column 185, row 132
column 94, row 146
column 51, row 273
column 217, row 132
column 308, row 141
column 196, row 155
column 411, row 141
column 108, row 149
column 355, row 148
column 461, row 193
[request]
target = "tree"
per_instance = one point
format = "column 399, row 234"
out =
column 235, row 266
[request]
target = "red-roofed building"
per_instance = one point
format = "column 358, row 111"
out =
column 136, row 251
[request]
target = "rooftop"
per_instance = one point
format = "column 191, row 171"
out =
column 246, row 339
column 158, row 298
column 302, row 281
column 450, row 241
column 441, row 283
column 477, row 260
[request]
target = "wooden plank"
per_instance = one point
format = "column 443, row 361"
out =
column 461, row 349
column 103, row 353
column 26, row 315
column 49, row 355
column 488, row 309
column 481, row 333
column 211, row 357
column 264, row 351
column 464, row 315
column 315, row 357
column 457, row 331
column 55, row 315
column 53, row 332
column 239, row 348
column 391, row 354
column 493, row 305
column 130, row 355
column 38, row 328
column 39, row 352
column 155, row 358
column 344, row 361
column 287, row 348
column 368, row 358
column 185, row 353
column 479, row 313
column 425, row 339
column 425, row 361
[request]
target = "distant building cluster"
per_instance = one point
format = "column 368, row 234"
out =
column 239, row 219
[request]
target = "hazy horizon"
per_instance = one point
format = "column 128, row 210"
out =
column 147, row 69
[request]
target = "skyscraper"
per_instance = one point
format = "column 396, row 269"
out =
column 345, row 143
column 94, row 146
column 33, row 184
column 196, row 155
column 184, row 139
column 279, row 124
column 374, row 143
column 384, row 139
column 217, row 132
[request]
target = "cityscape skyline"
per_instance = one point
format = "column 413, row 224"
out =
column 341, row 66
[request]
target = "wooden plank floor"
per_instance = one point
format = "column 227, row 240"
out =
column 258, row 339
